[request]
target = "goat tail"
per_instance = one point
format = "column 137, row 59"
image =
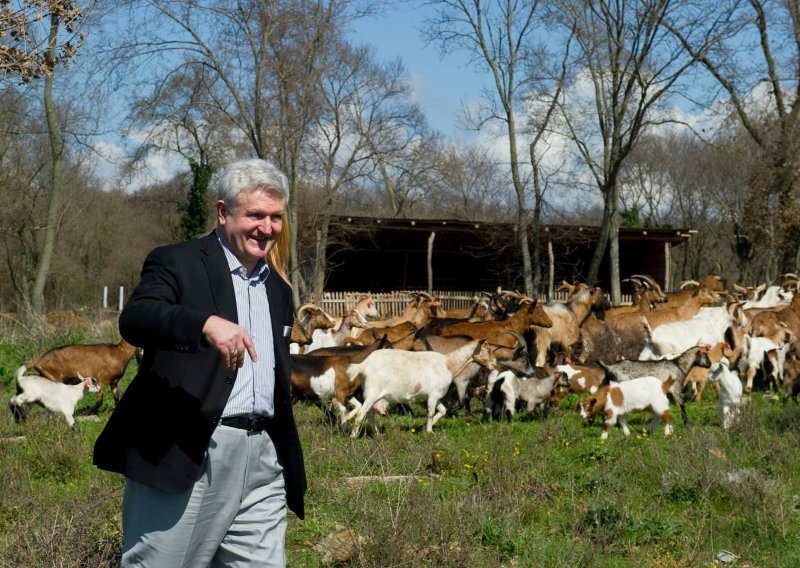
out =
column 20, row 372
column 666, row 385
column 609, row 374
column 354, row 370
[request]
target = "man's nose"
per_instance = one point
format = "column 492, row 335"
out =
column 265, row 226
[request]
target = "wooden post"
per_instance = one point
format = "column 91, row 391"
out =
column 551, row 269
column 667, row 264
column 430, row 262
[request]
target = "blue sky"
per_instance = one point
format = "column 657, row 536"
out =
column 439, row 85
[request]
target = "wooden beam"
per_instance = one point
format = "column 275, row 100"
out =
column 430, row 261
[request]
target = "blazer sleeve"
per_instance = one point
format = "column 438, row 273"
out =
column 158, row 314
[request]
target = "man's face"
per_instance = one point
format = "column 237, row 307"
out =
column 252, row 226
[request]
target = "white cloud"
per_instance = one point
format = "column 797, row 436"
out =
column 111, row 156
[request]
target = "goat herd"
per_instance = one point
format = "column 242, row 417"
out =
column 513, row 352
column 508, row 350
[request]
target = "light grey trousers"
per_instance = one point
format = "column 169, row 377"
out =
column 235, row 515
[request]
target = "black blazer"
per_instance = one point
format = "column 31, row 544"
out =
column 161, row 428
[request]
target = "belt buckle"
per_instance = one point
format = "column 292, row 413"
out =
column 255, row 424
column 252, row 421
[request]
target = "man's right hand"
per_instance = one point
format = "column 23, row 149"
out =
column 230, row 339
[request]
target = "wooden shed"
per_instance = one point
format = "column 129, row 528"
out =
column 380, row 254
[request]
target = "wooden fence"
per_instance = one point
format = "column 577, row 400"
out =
column 391, row 304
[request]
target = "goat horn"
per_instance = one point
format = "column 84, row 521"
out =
column 519, row 338
column 512, row 293
column 686, row 283
column 650, row 280
column 304, row 308
column 739, row 288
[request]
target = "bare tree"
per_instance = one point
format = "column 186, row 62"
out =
column 407, row 158
column 498, row 36
column 364, row 105
column 756, row 62
column 180, row 116
column 266, row 59
column 33, row 47
column 469, row 185
column 628, row 62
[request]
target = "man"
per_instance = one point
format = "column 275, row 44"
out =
column 205, row 433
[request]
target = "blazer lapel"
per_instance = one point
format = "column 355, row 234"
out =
column 219, row 277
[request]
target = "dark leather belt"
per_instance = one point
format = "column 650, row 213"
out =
column 249, row 423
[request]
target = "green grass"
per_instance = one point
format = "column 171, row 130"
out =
column 534, row 492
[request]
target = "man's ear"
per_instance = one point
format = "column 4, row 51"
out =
column 222, row 210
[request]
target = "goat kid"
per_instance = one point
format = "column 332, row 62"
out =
column 55, row 397
column 730, row 392
column 618, row 399
column 507, row 390
column 677, row 368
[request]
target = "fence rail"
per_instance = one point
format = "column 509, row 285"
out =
column 392, row 304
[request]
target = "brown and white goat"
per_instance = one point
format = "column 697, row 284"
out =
column 419, row 311
column 614, row 401
column 322, row 380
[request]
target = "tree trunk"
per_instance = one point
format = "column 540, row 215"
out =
column 522, row 216
column 56, row 178
column 602, row 242
column 551, row 270
column 320, row 257
column 613, row 259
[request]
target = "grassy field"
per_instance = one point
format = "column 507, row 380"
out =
column 534, row 492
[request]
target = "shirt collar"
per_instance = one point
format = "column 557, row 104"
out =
column 261, row 270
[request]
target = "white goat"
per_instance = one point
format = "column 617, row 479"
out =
column 774, row 296
column 707, row 327
column 730, row 391
column 55, row 397
column 754, row 350
column 398, row 376
column 774, row 362
column 617, row 399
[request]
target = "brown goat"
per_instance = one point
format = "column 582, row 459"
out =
column 494, row 332
column 419, row 311
column 401, row 336
column 106, row 362
column 309, row 318
column 567, row 319
column 769, row 323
